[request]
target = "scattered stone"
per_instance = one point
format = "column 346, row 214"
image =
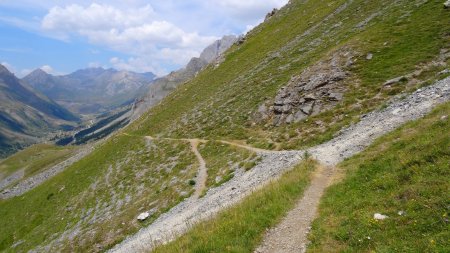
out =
column 444, row 118
column 369, row 56
column 401, row 213
column 395, row 80
column 444, row 72
column 143, row 216
column 447, row 4
column 379, row 216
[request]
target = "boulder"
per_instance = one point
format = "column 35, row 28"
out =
column 379, row 216
column 143, row 216
column 307, row 108
column 395, row 80
column 447, row 4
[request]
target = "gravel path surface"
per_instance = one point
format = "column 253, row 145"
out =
column 11, row 179
column 202, row 174
column 290, row 235
column 349, row 142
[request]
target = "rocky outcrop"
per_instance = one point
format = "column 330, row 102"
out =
column 315, row 90
column 271, row 14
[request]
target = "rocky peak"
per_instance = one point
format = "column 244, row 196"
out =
column 217, row 48
column 37, row 74
column 4, row 70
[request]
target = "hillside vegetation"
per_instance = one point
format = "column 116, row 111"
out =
column 402, row 36
column 404, row 171
column 403, row 175
column 240, row 228
column 93, row 204
column 31, row 161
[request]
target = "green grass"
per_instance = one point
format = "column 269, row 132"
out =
column 35, row 159
column 222, row 160
column 220, row 102
column 241, row 228
column 100, row 196
column 407, row 170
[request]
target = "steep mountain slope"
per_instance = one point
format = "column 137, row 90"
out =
column 337, row 60
column 109, row 122
column 338, row 55
column 26, row 115
column 161, row 87
column 91, row 90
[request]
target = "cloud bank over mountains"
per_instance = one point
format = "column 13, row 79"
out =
column 147, row 35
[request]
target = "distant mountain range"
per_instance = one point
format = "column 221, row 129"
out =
column 26, row 114
column 92, row 90
column 107, row 123
column 41, row 103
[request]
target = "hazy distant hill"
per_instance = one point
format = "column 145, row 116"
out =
column 91, row 90
column 26, row 114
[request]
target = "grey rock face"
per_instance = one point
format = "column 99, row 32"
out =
column 317, row 89
column 210, row 53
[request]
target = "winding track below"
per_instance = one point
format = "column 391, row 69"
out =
column 350, row 141
column 202, row 173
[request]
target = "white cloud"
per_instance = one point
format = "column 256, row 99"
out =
column 248, row 10
column 47, row 68
column 95, row 17
column 9, row 67
column 148, row 34
column 133, row 31
column 138, row 64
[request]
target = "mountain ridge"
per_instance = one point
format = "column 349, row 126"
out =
column 26, row 114
column 91, row 90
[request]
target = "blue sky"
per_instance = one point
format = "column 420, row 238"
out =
column 61, row 36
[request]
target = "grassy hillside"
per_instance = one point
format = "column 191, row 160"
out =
column 406, row 171
column 122, row 178
column 94, row 203
column 34, row 159
column 402, row 36
column 240, row 228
